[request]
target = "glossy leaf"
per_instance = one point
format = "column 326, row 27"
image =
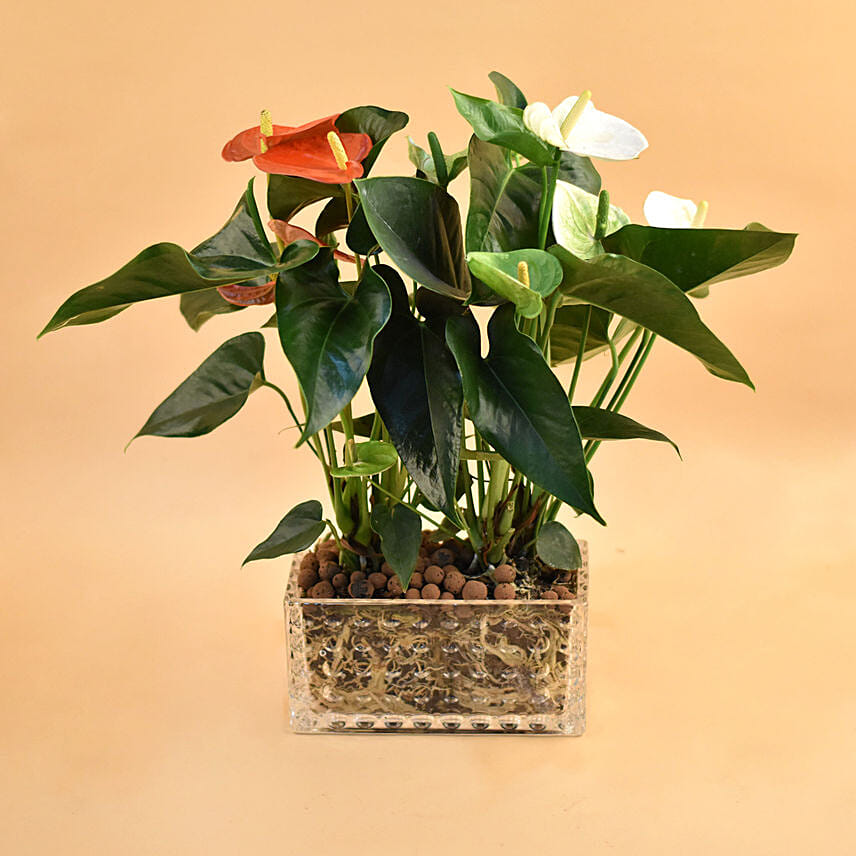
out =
column 328, row 334
column 567, row 330
column 696, row 258
column 370, row 458
column 598, row 424
column 504, row 201
column 506, row 91
column 416, row 389
column 378, row 123
column 527, row 301
column 359, row 236
column 557, row 548
column 215, row 392
column 289, row 194
column 580, row 171
column 545, row 272
column 299, row 529
column 400, row 531
column 418, row 225
column 237, row 253
column 424, row 163
column 574, row 220
column 503, row 126
column 520, row 408
column 197, row 307
column 643, row 295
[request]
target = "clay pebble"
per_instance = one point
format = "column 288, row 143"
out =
column 454, row 581
column 504, row 574
column 430, row 591
column 474, row 590
column 505, row 591
column 434, row 574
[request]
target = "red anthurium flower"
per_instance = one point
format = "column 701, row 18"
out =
column 287, row 233
column 303, row 151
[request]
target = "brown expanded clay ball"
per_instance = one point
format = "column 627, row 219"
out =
column 340, row 582
column 413, row 594
column 474, row 590
column 430, row 592
column 505, row 591
column 443, row 556
column 310, row 560
column 447, row 595
column 421, row 564
column 307, row 576
column 454, row 581
column 393, row 586
column 360, row 588
column 378, row 580
column 434, row 574
column 328, row 570
column 357, row 575
column 387, row 570
column 563, row 592
column 416, row 580
column 322, row 589
column 504, row 574
column 549, row 595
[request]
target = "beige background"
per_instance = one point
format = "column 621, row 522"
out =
column 142, row 670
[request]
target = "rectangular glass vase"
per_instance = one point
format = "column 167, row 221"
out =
column 446, row 666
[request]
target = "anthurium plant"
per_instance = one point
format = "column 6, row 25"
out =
column 388, row 290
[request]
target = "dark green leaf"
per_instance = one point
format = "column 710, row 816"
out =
column 378, row 123
column 696, row 258
column 641, row 294
column 579, row 171
column 370, row 458
column 327, row 334
column 416, row 388
column 333, row 216
column 502, row 125
column 557, row 548
column 215, row 392
column 298, row 530
column 288, row 194
column 597, row 424
column 422, row 160
column 520, row 408
column 400, row 531
column 504, row 201
column 419, row 226
column 359, row 236
column 567, row 329
column 197, row 307
column 506, row 91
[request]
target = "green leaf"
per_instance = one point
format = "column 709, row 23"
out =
column 378, row 123
column 499, row 272
column 696, row 258
column 299, row 529
column 215, row 392
column 579, row 171
column 197, row 307
column 419, row 226
column 239, row 252
column 328, row 334
column 289, row 194
column 400, row 531
column 598, row 424
column 504, row 201
column 416, row 388
column 520, row 408
column 359, row 236
column 422, row 160
column 567, row 329
column 370, row 458
column 507, row 92
column 641, row 294
column 503, row 126
column 557, row 548
column 575, row 220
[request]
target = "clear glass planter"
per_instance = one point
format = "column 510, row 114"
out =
column 449, row 666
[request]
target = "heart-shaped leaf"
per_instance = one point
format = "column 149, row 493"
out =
column 299, row 529
column 416, row 388
column 598, row 424
column 641, row 294
column 694, row 259
column 506, row 91
column 499, row 271
column 503, row 126
column 370, row 458
column 400, row 531
column 418, row 225
column 520, row 408
column 328, row 334
column 557, row 548
column 215, row 392
column 378, row 123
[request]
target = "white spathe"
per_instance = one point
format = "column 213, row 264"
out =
column 575, row 220
column 595, row 134
column 672, row 212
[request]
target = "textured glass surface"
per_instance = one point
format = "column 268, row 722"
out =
column 437, row 666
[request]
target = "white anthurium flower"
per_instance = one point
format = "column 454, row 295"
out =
column 575, row 220
column 672, row 212
column 577, row 127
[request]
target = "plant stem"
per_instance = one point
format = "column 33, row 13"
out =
column 406, row 504
column 548, row 189
column 349, row 205
column 617, row 362
column 580, row 354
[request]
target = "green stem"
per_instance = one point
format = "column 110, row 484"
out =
column 580, row 354
column 617, row 362
column 548, row 189
column 399, row 500
column 349, row 205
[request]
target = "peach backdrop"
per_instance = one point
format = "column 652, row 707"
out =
column 142, row 670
